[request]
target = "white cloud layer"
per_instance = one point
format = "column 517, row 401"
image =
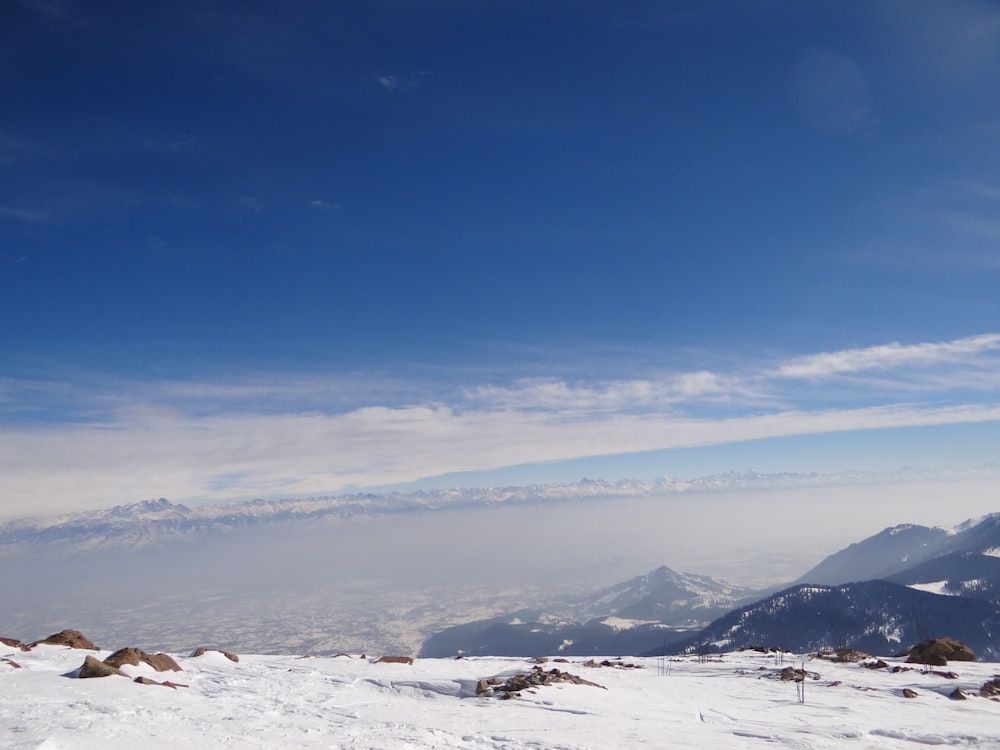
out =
column 163, row 442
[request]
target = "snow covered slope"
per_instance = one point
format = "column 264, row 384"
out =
column 898, row 548
column 734, row 701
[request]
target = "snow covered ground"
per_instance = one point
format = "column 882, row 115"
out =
column 733, row 701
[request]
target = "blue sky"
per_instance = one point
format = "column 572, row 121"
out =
column 255, row 248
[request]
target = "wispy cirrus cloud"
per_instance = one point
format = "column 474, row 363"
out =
column 325, row 206
column 393, row 83
column 644, row 393
column 889, row 356
column 99, row 443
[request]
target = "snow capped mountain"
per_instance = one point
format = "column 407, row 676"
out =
column 664, row 596
column 663, row 605
column 958, row 574
column 885, row 553
column 158, row 523
column 877, row 617
column 899, row 548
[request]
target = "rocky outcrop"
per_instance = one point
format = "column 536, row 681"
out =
column 843, row 655
column 991, row 688
column 69, row 638
column 938, row 652
column 201, row 651
column 133, row 656
column 537, row 677
column 394, row 660
column 617, row 664
column 93, row 668
column 876, row 664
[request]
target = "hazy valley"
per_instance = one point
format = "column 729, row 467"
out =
column 504, row 571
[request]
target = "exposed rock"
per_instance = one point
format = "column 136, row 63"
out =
column 165, row 683
column 907, row 693
column 13, row 643
column 394, row 660
column 201, row 651
column 13, row 663
column 93, row 668
column 792, row 674
column 877, row 664
column 844, row 655
column 619, row 664
column 160, row 662
column 957, row 694
column 938, row 652
column 129, row 655
column 70, row 638
column 990, row 688
column 163, row 662
column 930, row 660
column 538, row 677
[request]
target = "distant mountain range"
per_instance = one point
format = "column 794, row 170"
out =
column 879, row 594
column 160, row 523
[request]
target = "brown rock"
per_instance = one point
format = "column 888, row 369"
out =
column 129, row 655
column 201, row 650
column 13, row 663
column 93, row 668
column 844, row 655
column 990, row 688
column 877, row 664
column 938, row 652
column 134, row 656
column 483, row 686
column 792, row 674
column 70, row 638
column 394, row 660
column 13, row 643
column 163, row 662
column 957, row 694
column 907, row 693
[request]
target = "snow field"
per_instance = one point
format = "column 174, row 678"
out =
column 733, row 701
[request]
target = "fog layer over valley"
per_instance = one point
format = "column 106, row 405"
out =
column 384, row 582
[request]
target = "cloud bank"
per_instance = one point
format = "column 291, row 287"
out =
column 96, row 446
